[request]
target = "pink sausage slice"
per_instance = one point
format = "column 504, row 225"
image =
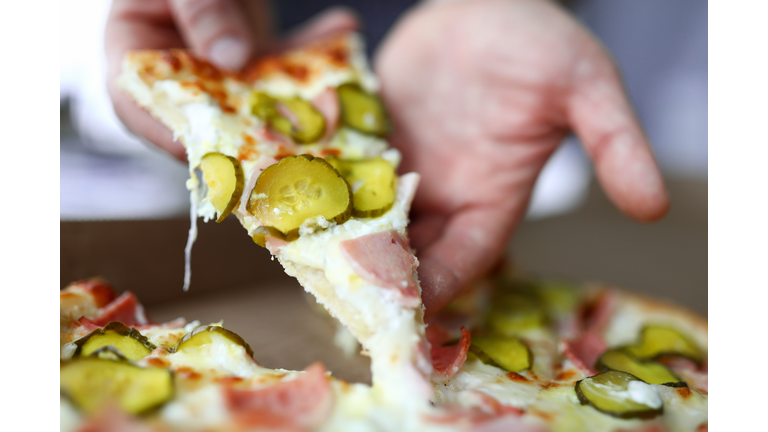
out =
column 383, row 259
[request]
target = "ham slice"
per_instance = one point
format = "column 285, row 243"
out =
column 447, row 360
column 101, row 291
column 697, row 377
column 383, row 260
column 437, row 335
column 327, row 103
column 299, row 404
column 584, row 351
column 125, row 309
column 274, row 244
column 261, row 164
column 595, row 315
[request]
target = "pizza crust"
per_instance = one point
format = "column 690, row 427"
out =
column 315, row 283
column 635, row 310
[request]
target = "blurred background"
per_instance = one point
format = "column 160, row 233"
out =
column 571, row 229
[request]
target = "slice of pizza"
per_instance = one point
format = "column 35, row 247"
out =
column 295, row 148
column 119, row 371
column 572, row 358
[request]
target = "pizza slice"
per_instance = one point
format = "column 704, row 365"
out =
column 119, row 371
column 295, row 148
column 592, row 358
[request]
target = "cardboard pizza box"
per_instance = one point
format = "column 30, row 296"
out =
column 236, row 281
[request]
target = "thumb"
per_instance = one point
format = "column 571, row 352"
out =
column 223, row 32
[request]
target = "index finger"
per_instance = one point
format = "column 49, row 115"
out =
column 601, row 116
column 133, row 25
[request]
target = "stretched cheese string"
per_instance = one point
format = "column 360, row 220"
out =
column 192, row 236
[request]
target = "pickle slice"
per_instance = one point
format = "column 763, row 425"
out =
column 362, row 111
column 296, row 189
column 373, row 184
column 225, row 179
column 648, row 371
column 619, row 394
column 559, row 298
column 127, row 340
column 92, row 383
column 513, row 313
column 293, row 117
column 201, row 336
column 508, row 353
column 658, row 341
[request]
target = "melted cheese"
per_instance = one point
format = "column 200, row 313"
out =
column 399, row 399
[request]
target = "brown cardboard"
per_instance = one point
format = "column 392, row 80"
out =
column 234, row 280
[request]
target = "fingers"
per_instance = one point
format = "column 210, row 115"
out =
column 330, row 21
column 469, row 246
column 216, row 30
column 137, row 24
column 600, row 114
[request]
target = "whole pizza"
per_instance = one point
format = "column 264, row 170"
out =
column 295, row 148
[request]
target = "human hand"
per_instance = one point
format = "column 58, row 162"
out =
column 480, row 94
column 228, row 33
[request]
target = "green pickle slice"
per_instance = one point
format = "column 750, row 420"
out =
column 373, row 182
column 224, row 177
column 508, row 353
column 513, row 313
column 128, row 341
column 92, row 383
column 293, row 116
column 612, row 393
column 648, row 371
column 362, row 111
column 201, row 336
column 658, row 341
column 560, row 298
column 296, row 189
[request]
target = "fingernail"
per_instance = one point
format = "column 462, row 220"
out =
column 228, row 53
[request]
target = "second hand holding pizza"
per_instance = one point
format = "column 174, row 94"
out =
column 480, row 94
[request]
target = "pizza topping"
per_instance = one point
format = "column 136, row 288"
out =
column 373, row 184
column 128, row 341
column 362, row 111
column 296, row 189
column 506, row 352
column 93, row 383
column 619, row 394
column 100, row 290
column 484, row 413
column 584, row 351
column 125, row 309
column 293, row 117
column 225, row 180
column 301, row 403
column 513, row 313
column 649, row 371
column 447, row 360
column 595, row 314
column 694, row 375
column 261, row 164
column 201, row 336
column 437, row 335
column 658, row 341
column 327, row 103
column 383, row 259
